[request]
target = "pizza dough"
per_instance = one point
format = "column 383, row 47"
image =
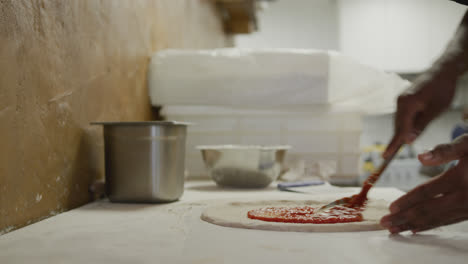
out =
column 234, row 214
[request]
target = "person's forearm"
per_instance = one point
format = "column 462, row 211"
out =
column 454, row 61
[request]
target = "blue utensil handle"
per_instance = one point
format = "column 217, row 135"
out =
column 299, row 184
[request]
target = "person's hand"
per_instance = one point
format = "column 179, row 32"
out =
column 441, row 201
column 429, row 95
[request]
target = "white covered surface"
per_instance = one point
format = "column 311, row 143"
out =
column 269, row 78
column 103, row 232
column 237, row 77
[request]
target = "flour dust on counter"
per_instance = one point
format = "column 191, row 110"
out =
column 235, row 214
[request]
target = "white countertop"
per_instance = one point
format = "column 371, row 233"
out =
column 102, row 232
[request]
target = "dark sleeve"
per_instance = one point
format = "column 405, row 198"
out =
column 463, row 2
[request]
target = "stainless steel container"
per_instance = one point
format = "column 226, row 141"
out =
column 144, row 161
column 244, row 166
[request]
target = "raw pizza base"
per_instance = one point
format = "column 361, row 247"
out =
column 234, row 214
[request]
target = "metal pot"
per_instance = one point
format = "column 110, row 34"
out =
column 244, row 166
column 144, row 161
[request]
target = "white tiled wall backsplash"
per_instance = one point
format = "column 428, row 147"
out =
column 316, row 137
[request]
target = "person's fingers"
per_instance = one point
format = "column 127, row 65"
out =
column 423, row 209
column 437, row 220
column 397, row 140
column 444, row 153
column 429, row 214
column 401, row 228
column 436, row 186
column 451, row 218
column 385, row 220
column 423, row 119
column 408, row 108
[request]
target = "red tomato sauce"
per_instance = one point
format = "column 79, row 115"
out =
column 305, row 215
